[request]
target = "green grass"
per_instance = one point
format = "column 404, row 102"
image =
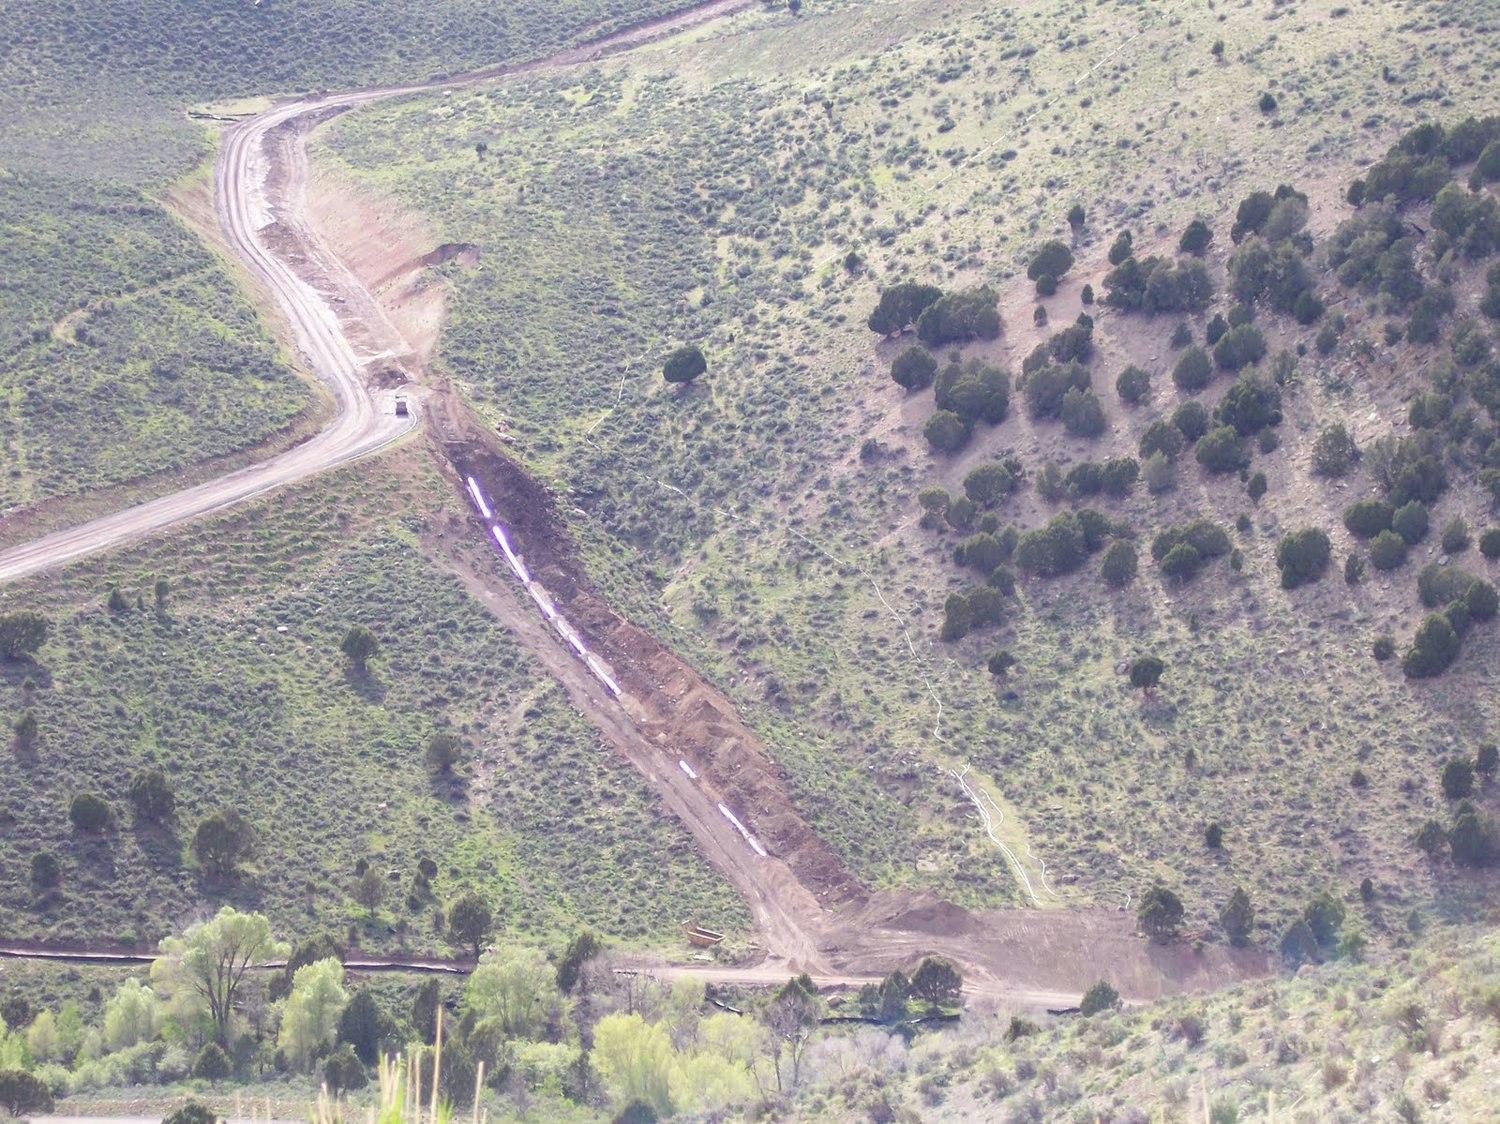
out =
column 126, row 350
column 327, row 764
column 722, row 192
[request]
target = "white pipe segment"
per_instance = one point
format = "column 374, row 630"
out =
column 510, row 555
column 478, row 497
column 750, row 839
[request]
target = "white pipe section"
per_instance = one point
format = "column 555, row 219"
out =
column 510, row 555
column 686, row 768
column 565, row 630
column 478, row 498
column 750, row 839
column 603, row 676
column 548, row 609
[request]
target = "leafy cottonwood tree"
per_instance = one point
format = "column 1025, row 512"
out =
column 131, row 1016
column 210, row 961
column 516, row 988
column 312, row 1011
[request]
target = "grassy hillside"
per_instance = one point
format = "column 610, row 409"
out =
column 770, row 510
column 194, row 49
column 235, row 687
column 125, row 349
column 1407, row 1038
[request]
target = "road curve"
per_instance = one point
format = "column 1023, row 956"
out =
column 244, row 196
column 364, row 420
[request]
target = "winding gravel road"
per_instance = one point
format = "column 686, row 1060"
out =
column 364, row 420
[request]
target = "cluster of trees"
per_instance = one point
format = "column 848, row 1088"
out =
column 1473, row 837
column 523, row 1024
column 1158, row 284
column 1316, row 934
column 1065, row 542
column 1420, row 163
column 1439, row 639
column 1182, row 550
column 939, row 318
column 964, row 393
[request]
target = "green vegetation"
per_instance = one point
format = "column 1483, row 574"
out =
column 548, row 826
column 124, row 349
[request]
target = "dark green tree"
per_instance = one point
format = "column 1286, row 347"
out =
column 1000, row 663
column 46, row 871
column 946, row 432
column 899, row 307
column 1221, row 450
column 194, row 1112
column 444, row 750
column 22, row 633
column 1133, row 385
column 1160, row 913
column 1302, row 556
column 1298, row 945
column 1100, row 997
column 581, row 949
column 1182, row 562
column 1052, row 259
column 937, row 981
column 24, row 1094
column 1458, row 779
column 222, row 841
column 1195, row 238
column 359, row 644
column 1192, row 370
column 424, row 1009
column 1324, row 916
column 684, row 364
column 1433, row 650
column 1486, row 760
column 1161, row 436
column 469, row 922
column 1410, row 521
column 960, row 317
column 363, row 1026
column 212, row 1064
column 1146, row 673
column 89, row 813
column 1387, row 550
column 1238, row 917
column 895, row 990
column 343, row 1072
column 152, row 797
column 914, row 368
column 1367, row 518
column 958, row 618
column 1119, row 565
